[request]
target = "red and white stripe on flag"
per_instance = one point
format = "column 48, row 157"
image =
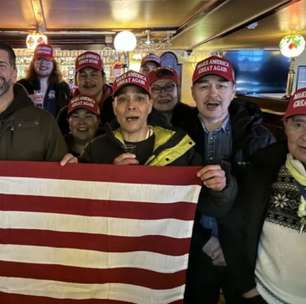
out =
column 88, row 233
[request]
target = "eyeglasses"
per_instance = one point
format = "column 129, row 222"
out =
column 167, row 89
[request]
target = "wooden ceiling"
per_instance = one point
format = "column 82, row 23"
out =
column 268, row 30
column 190, row 24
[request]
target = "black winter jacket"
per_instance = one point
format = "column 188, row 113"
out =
column 179, row 118
column 57, row 95
column 105, row 148
column 241, row 227
column 248, row 136
column 248, row 133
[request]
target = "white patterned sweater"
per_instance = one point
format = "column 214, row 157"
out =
column 281, row 261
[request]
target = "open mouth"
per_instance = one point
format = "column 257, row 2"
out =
column 163, row 101
column 212, row 105
column 132, row 118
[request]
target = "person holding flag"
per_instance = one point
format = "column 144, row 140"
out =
column 137, row 143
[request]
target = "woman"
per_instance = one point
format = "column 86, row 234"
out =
column 84, row 120
column 44, row 81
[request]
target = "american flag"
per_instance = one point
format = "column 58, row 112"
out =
column 88, row 233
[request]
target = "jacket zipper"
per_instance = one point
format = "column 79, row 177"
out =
column 11, row 129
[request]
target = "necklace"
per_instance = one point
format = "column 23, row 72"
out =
column 149, row 133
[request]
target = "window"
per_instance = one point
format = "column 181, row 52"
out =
column 301, row 77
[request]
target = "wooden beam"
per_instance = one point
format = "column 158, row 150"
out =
column 39, row 15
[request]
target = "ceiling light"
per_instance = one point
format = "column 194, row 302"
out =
column 125, row 41
column 292, row 45
column 34, row 39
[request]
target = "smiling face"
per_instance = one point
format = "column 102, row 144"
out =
column 7, row 74
column 213, row 95
column 43, row 67
column 132, row 107
column 90, row 82
column 164, row 95
column 83, row 125
column 295, row 129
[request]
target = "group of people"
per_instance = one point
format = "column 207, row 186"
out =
column 248, row 238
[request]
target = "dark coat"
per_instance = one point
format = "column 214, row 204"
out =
column 241, row 227
column 179, row 119
column 57, row 95
column 248, row 132
column 29, row 133
column 105, row 148
column 248, row 136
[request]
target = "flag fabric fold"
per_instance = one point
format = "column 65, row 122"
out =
column 89, row 233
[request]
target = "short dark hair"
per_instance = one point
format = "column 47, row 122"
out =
column 11, row 53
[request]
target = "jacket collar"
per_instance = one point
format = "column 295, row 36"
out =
column 21, row 100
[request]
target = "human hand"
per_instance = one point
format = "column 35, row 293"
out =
column 69, row 159
column 252, row 297
column 251, row 293
column 126, row 159
column 213, row 177
column 213, row 249
column 38, row 99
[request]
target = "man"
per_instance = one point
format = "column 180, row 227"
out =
column 27, row 132
column 84, row 120
column 168, row 111
column 44, row 81
column 270, row 254
column 149, row 63
column 132, row 105
column 90, row 78
column 154, row 146
column 224, row 130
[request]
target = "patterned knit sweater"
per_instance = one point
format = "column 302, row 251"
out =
column 281, row 262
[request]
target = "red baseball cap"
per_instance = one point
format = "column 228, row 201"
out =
column 131, row 78
column 163, row 73
column 151, row 57
column 297, row 104
column 43, row 51
column 88, row 60
column 83, row 102
column 214, row 65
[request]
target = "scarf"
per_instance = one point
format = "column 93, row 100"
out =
column 297, row 171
